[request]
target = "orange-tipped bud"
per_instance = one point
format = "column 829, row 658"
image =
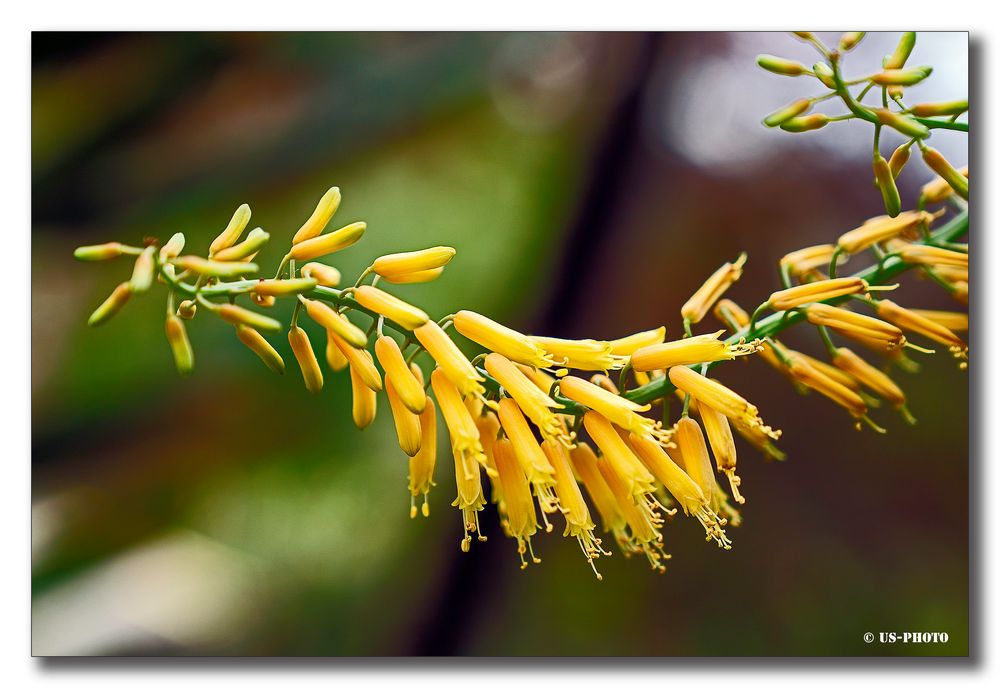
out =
column 406, row 421
column 312, row 376
column 180, row 346
column 779, row 65
column 214, row 268
column 886, row 183
column 408, row 388
column 248, row 247
column 106, row 251
column 187, row 309
column 119, row 297
column 955, row 179
column 255, row 341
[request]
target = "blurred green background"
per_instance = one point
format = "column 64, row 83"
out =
column 589, row 182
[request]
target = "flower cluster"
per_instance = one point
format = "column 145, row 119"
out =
column 551, row 429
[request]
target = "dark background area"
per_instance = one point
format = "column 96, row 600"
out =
column 590, row 182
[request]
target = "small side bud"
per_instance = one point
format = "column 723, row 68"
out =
column 187, row 310
column 887, row 185
column 904, row 124
column 179, row 345
column 142, row 273
column 786, row 113
column 850, row 39
column 106, row 251
column 902, row 52
column 902, row 77
column 237, row 315
column 898, row 159
column 824, row 74
column 937, row 162
column 779, row 65
column 797, row 125
column 119, row 297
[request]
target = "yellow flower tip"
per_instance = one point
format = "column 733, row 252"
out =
column 180, row 346
column 529, row 455
column 534, row 403
column 407, row 422
column 312, row 376
column 581, row 354
column 324, row 275
column 394, row 309
column 325, row 244
column 418, row 277
column 231, row 234
column 214, row 268
column 334, row 358
column 254, row 341
column 248, row 247
column 915, row 322
column 320, row 217
column 852, row 324
column 705, row 348
column 421, row 476
column 501, row 339
column 626, row 346
column 450, row 358
column 398, row 265
column 617, row 409
column 881, row 229
column 696, row 307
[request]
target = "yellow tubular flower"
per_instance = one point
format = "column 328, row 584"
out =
column 397, row 264
column 453, row 362
column 422, row 463
column 828, row 387
column 334, row 322
column 325, row 275
column 534, row 403
column 488, row 426
column 806, row 259
column 334, row 358
column 111, row 305
column 237, row 315
column 415, row 277
column 952, row 273
column 759, row 440
column 364, row 401
column 618, row 410
column 143, row 271
column 954, row 321
column 643, row 534
column 406, row 421
column 408, row 388
column 320, row 217
column 938, row 189
column 394, row 309
column 246, row 249
column 816, row 291
column 704, row 348
column 873, row 378
column 503, row 340
column 180, row 345
column 521, row 521
column 361, row 362
column 578, row 521
column 637, row 479
column 283, row 287
column 530, row 455
column 231, row 234
column 172, row 248
column 701, row 301
column 260, row 346
column 721, row 398
column 626, row 346
column 847, row 323
column 585, row 463
column 914, row 322
column 826, row 369
column 681, row 487
column 694, row 454
column 311, row 374
column 325, row 244
column 729, row 313
column 470, row 499
column 213, row 268
column 461, row 426
column 921, row 254
column 720, row 439
column 881, row 229
column 582, row 354
column 961, row 293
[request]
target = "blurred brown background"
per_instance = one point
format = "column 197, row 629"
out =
column 589, row 182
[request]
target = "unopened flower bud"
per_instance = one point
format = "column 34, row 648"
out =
column 238, row 315
column 904, row 124
column 937, row 162
column 326, row 244
column 142, row 273
column 312, row 376
column 780, row 65
column 325, row 275
column 179, row 344
column 255, row 341
column 887, row 185
column 793, row 109
column 951, row 107
column 850, row 39
column 187, row 309
column 119, row 297
column 902, row 52
column 231, row 234
column 797, row 125
column 320, row 217
column 106, row 251
column 902, row 77
column 250, row 246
